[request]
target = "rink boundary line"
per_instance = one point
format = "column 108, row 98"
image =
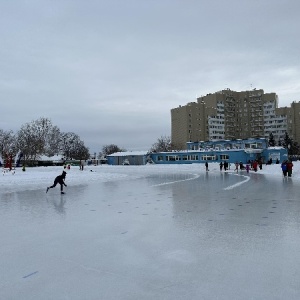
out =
column 172, row 182
column 239, row 183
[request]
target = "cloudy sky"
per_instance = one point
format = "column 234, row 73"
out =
column 111, row 70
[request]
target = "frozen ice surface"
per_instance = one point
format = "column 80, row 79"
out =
column 150, row 232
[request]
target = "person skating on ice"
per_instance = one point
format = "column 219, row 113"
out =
column 206, row 166
column 59, row 179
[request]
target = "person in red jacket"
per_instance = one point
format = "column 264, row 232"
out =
column 289, row 168
column 255, row 166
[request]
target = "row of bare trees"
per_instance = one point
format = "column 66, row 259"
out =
column 41, row 137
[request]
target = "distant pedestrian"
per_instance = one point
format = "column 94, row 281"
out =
column 254, row 165
column 247, row 168
column 206, row 166
column 225, row 165
column 221, row 166
column 236, row 167
column 59, row 179
column 284, row 168
column 289, row 166
column 81, row 165
column 242, row 167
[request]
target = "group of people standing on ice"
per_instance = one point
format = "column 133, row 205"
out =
column 225, row 165
column 287, row 168
column 251, row 165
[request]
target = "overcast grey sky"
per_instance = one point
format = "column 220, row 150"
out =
column 112, row 70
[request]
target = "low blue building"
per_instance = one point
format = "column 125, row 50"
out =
column 199, row 152
column 223, row 150
column 128, row 158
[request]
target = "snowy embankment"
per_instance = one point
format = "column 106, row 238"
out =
column 41, row 177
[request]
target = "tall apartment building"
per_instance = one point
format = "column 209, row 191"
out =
column 295, row 115
column 233, row 115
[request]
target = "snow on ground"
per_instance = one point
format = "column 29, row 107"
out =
column 41, row 177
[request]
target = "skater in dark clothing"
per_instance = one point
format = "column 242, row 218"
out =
column 59, row 179
column 225, row 165
column 221, row 166
column 206, row 166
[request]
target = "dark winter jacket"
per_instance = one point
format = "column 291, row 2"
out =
column 60, row 178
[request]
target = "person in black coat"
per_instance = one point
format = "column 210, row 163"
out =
column 225, row 165
column 59, row 179
column 206, row 166
column 221, row 166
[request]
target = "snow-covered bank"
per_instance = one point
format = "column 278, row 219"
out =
column 40, row 177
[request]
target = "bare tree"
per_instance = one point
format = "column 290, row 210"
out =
column 72, row 147
column 40, row 137
column 163, row 144
column 52, row 145
column 110, row 149
column 35, row 138
column 68, row 140
column 81, row 152
column 7, row 143
column 28, row 142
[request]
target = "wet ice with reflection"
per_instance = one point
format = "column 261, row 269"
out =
column 150, row 232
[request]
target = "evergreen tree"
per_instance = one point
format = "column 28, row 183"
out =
column 271, row 140
column 294, row 148
column 287, row 142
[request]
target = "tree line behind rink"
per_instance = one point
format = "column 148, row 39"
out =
column 41, row 138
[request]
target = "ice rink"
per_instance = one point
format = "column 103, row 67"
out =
column 168, row 233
